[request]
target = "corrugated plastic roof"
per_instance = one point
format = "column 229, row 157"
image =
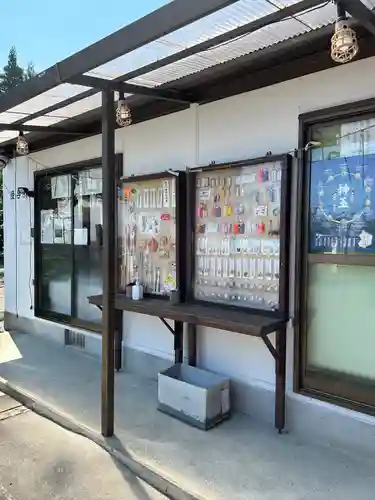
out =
column 264, row 37
column 222, row 21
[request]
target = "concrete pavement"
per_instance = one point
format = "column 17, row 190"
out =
column 39, row 460
column 239, row 460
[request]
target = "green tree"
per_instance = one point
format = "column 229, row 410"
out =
column 29, row 72
column 11, row 76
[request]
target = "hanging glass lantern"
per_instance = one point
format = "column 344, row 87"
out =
column 22, row 148
column 123, row 114
column 344, row 43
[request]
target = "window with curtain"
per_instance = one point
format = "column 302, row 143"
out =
column 338, row 319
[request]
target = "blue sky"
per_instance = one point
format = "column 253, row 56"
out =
column 46, row 31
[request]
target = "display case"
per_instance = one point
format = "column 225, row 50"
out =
column 151, row 209
column 239, row 222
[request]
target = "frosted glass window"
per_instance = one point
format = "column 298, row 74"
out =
column 341, row 319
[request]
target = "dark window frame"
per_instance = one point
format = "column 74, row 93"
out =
column 336, row 388
column 39, row 312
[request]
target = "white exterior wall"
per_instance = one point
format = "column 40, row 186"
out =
column 240, row 127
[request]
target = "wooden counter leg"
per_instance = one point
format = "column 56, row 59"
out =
column 280, row 379
column 192, row 344
column 118, row 341
column 178, row 341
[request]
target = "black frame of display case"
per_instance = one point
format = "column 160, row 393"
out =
column 39, row 312
column 181, row 256
column 285, row 202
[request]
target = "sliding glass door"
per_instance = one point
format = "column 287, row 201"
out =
column 68, row 245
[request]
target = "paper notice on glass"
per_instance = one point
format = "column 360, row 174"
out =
column 94, row 182
column 63, row 207
column 80, row 236
column 60, row 186
column 357, row 138
column 350, row 141
column 89, row 182
column 46, row 226
column 58, row 231
column 67, row 230
column 369, row 136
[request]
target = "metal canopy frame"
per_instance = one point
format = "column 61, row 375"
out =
column 167, row 19
column 157, row 24
column 73, row 70
column 163, row 21
column 247, row 28
column 38, row 128
column 129, row 88
column 360, row 12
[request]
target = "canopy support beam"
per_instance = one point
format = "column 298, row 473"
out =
column 128, row 88
column 361, row 13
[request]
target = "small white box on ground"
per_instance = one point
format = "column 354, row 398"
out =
column 196, row 396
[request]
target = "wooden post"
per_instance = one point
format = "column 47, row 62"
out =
column 280, row 378
column 192, row 344
column 109, row 264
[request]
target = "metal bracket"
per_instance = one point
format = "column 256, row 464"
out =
column 167, row 326
column 360, row 12
column 269, row 346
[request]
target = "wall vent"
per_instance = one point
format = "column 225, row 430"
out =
column 75, row 338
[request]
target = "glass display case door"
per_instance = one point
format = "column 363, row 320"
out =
column 148, row 233
column 239, row 226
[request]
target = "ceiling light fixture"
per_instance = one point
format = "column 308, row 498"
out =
column 344, row 43
column 22, row 148
column 123, row 113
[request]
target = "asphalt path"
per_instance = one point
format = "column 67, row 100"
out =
column 41, row 461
